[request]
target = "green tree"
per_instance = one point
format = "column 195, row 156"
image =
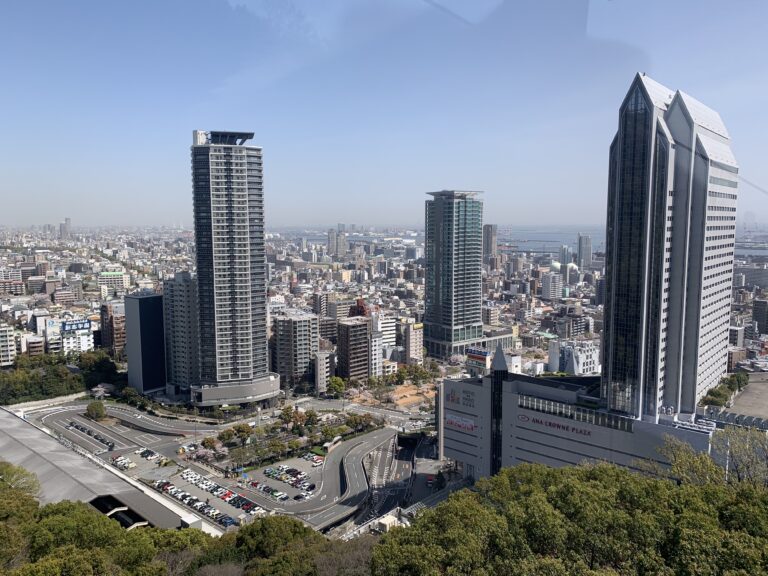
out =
column 276, row 447
column 226, row 436
column 209, row 442
column 293, row 446
column 95, row 410
column 18, row 480
column 336, row 386
column 243, row 432
column 286, row 414
column 311, row 418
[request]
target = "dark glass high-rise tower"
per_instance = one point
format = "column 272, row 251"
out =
column 454, row 260
column 670, row 236
column 231, row 270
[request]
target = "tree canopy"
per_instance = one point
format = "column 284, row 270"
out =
column 589, row 520
column 530, row 520
column 95, row 410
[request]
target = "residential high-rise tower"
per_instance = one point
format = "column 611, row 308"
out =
column 231, row 270
column 454, row 255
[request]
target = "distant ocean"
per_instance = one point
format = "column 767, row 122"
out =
column 550, row 238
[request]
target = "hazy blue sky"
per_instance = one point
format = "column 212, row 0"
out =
column 361, row 105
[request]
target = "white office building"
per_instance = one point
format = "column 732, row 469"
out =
column 504, row 419
column 76, row 336
column 574, row 357
column 671, row 226
column 387, row 325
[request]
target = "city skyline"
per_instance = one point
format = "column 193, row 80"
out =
column 516, row 121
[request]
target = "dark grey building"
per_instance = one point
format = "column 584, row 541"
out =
column 760, row 315
column 228, row 200
column 584, row 256
column 354, row 348
column 182, row 341
column 454, row 258
column 145, row 342
column 490, row 241
column 670, row 236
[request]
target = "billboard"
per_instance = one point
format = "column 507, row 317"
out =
column 74, row 325
column 460, row 422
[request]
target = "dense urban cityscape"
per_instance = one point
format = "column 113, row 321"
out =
column 465, row 395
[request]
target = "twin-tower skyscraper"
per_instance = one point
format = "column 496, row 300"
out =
column 670, row 229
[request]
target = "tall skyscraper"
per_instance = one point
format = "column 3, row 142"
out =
column 231, row 270
column 565, row 256
column 490, row 241
column 584, row 257
column 182, row 340
column 670, row 228
column 65, row 228
column 332, row 242
column 145, row 342
column 453, row 246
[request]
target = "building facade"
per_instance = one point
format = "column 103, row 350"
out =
column 228, row 199
column 760, row 314
column 112, row 315
column 490, row 241
column 574, row 357
column 145, row 342
column 412, row 338
column 76, row 336
column 584, row 257
column 453, row 291
column 504, row 419
column 182, row 343
column 670, row 234
column 7, row 346
column 294, row 343
column 354, row 348
column 551, row 286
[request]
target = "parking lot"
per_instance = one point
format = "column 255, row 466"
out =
column 299, row 479
column 221, row 504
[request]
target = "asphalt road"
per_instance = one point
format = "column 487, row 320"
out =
column 342, row 489
column 351, row 496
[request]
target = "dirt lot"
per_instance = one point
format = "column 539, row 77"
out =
column 405, row 396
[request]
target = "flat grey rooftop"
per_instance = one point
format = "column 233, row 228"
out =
column 65, row 475
column 753, row 401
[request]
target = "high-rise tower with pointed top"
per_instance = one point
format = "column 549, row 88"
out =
column 670, row 234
